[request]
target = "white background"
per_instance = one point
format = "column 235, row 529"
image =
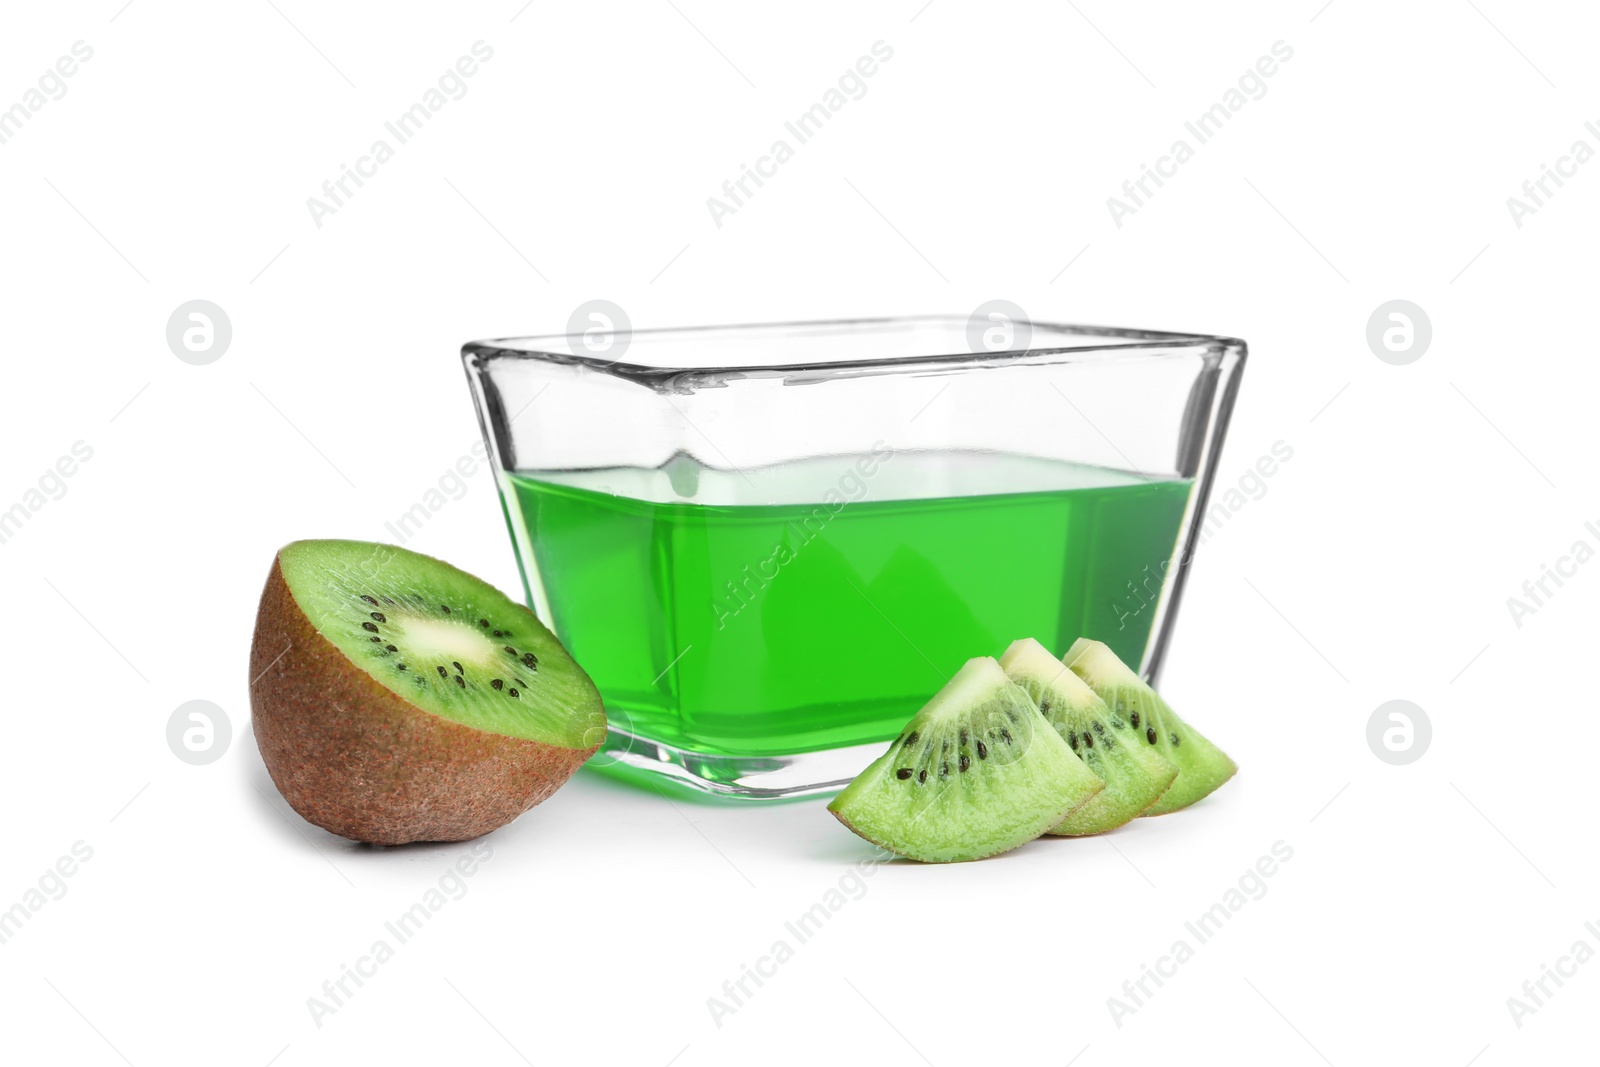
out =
column 1377, row 564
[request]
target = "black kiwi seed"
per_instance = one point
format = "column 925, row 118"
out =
column 1044, row 706
column 1134, row 718
column 378, row 615
column 529, row 659
column 903, row 773
column 1099, row 727
column 442, row 672
column 983, row 750
column 370, row 626
column 461, row 681
column 964, row 735
column 378, row 639
column 913, row 738
column 391, row 648
column 1174, row 739
column 497, row 684
column 1072, row 739
column 483, row 622
column 514, row 693
column 511, row 650
column 445, row 608
column 922, row 776
column 1150, row 734
column 456, row 665
column 1005, row 735
column 1088, row 739
column 499, row 633
column 389, row 602
column 401, row 666
column 369, row 600
column 966, row 761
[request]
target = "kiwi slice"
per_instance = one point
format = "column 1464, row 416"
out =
column 976, row 772
column 396, row 698
column 1202, row 766
column 1135, row 773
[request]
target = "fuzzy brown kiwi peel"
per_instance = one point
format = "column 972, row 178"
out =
column 396, row 698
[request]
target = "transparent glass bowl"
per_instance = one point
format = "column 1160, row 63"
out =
column 769, row 545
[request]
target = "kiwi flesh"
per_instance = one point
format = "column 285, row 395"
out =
column 976, row 772
column 1202, row 766
column 1134, row 772
column 395, row 698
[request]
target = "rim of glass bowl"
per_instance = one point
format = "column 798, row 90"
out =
column 1109, row 342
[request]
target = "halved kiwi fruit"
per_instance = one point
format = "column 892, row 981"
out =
column 396, row 698
column 1202, row 766
column 1135, row 773
column 976, row 772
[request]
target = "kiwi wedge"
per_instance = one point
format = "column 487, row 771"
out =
column 976, row 772
column 1202, row 766
column 395, row 698
column 1134, row 772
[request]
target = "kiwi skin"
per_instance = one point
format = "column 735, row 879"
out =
column 360, row 761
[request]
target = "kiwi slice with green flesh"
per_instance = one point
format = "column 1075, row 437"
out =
column 1134, row 772
column 976, row 772
column 396, row 698
column 1202, row 766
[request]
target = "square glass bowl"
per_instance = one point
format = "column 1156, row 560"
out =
column 770, row 545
